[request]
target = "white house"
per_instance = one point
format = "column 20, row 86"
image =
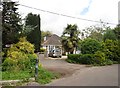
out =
column 51, row 43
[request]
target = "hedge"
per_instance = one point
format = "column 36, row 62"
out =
column 90, row 59
column 80, row 58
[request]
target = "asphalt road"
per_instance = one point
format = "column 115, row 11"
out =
column 80, row 75
column 94, row 76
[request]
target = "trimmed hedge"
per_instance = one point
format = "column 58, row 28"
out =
column 80, row 58
column 90, row 59
column 74, row 58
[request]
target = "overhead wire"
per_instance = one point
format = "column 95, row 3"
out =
column 66, row 15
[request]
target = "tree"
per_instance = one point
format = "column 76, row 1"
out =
column 34, row 36
column 95, row 32
column 70, row 38
column 11, row 23
column 117, row 31
column 109, row 34
column 90, row 46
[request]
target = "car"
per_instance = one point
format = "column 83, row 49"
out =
column 55, row 53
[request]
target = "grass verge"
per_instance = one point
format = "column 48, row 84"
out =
column 44, row 76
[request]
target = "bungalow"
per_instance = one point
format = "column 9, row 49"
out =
column 51, row 43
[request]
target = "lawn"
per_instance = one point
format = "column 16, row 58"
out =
column 44, row 76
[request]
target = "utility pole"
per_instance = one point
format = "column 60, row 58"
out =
column 119, row 13
column 36, row 69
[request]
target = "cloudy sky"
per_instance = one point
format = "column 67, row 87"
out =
column 106, row 10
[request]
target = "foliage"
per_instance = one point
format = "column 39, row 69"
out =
column 70, row 38
column 94, row 32
column 11, row 23
column 9, row 64
column 99, row 58
column 45, row 76
column 35, row 35
column 42, row 50
column 112, row 50
column 20, row 56
column 90, row 46
column 90, row 59
column 74, row 58
column 26, row 30
column 80, row 58
column 86, row 59
column 109, row 34
column 117, row 31
column 15, row 75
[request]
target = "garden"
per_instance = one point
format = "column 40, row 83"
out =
column 19, row 64
column 98, row 46
column 97, row 53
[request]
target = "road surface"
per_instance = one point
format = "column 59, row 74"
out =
column 80, row 75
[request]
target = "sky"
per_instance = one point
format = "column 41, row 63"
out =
column 105, row 10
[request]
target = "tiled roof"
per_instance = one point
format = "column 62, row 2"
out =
column 53, row 40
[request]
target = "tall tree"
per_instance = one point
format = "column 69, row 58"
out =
column 11, row 23
column 34, row 36
column 70, row 38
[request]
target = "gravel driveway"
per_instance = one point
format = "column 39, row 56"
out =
column 60, row 65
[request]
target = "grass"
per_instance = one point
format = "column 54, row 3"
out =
column 44, row 76
column 21, row 75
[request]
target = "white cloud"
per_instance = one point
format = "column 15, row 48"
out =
column 107, row 10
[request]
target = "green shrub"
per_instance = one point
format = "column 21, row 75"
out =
column 90, row 59
column 74, row 58
column 86, row 59
column 112, row 50
column 99, row 58
column 42, row 50
column 109, row 62
column 9, row 64
column 80, row 58
column 24, row 46
column 90, row 46
column 109, row 34
column 20, row 55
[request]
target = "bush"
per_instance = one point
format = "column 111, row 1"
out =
column 90, row 46
column 99, row 58
column 9, row 64
column 112, row 50
column 42, row 50
column 80, row 58
column 86, row 59
column 24, row 46
column 74, row 58
column 21, row 56
column 90, row 59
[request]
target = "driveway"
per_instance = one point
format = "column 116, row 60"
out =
column 80, row 75
column 60, row 65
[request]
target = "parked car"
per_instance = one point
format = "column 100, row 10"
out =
column 55, row 53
